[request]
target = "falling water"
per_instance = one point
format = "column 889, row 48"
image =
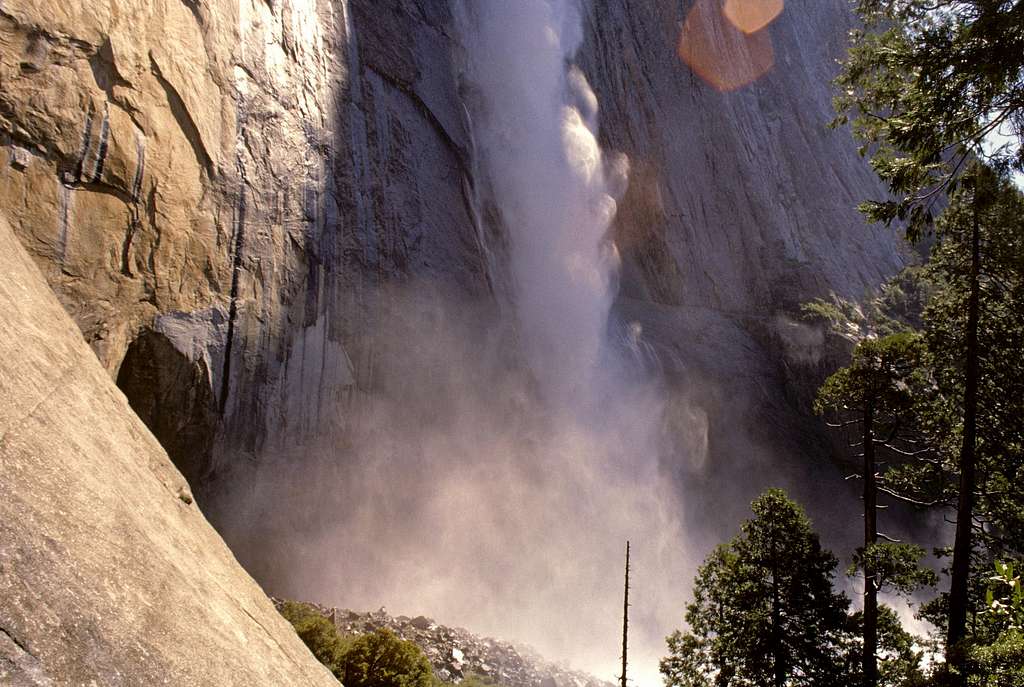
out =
column 537, row 137
column 506, row 457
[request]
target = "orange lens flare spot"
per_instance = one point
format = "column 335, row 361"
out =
column 721, row 54
column 750, row 16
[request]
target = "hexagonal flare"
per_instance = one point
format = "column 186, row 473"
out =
column 721, row 54
column 750, row 16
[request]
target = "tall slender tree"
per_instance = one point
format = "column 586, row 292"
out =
column 974, row 332
column 927, row 85
column 625, row 621
column 875, row 396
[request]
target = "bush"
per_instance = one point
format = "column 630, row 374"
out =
column 381, row 659
column 318, row 633
column 375, row 659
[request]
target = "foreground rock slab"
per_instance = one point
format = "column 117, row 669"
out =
column 109, row 573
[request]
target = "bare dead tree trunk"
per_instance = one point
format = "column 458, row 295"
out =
column 625, row 620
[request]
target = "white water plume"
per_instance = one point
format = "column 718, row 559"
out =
column 537, row 134
column 538, row 145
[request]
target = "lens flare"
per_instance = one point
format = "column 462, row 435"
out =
column 750, row 16
column 720, row 53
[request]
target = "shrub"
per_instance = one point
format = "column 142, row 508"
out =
column 381, row 659
column 318, row 633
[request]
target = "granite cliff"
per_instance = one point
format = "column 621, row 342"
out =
column 217, row 191
column 233, row 199
column 109, row 574
column 214, row 189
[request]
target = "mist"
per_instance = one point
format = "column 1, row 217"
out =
column 505, row 453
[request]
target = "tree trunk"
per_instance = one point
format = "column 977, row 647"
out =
column 778, row 663
column 869, row 659
column 962, row 546
column 625, row 620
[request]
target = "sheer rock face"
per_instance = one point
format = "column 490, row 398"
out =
column 741, row 201
column 221, row 193
column 236, row 178
column 234, row 182
column 109, row 574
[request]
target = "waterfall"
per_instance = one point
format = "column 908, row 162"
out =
column 536, row 136
column 537, row 139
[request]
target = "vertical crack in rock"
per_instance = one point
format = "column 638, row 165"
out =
column 64, row 195
column 101, row 150
column 86, row 140
column 236, row 266
column 133, row 206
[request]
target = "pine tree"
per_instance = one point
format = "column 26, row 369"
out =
column 927, row 83
column 764, row 611
column 990, row 283
column 874, row 396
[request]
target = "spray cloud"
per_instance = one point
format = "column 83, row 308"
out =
column 502, row 461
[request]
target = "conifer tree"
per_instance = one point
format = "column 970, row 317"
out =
column 927, row 84
column 874, row 395
column 764, row 611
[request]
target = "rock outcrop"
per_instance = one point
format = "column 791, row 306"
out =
column 109, row 574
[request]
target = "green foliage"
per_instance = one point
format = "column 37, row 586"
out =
column 381, row 659
column 895, row 308
column 928, row 391
column 763, row 608
column 1004, row 598
column 899, row 652
column 843, row 317
column 883, row 373
column 375, row 659
column 896, row 566
column 924, row 85
column 999, row 664
column 1000, row 339
column 318, row 633
column 999, row 508
column 999, row 660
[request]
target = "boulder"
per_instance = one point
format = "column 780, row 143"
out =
column 109, row 573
